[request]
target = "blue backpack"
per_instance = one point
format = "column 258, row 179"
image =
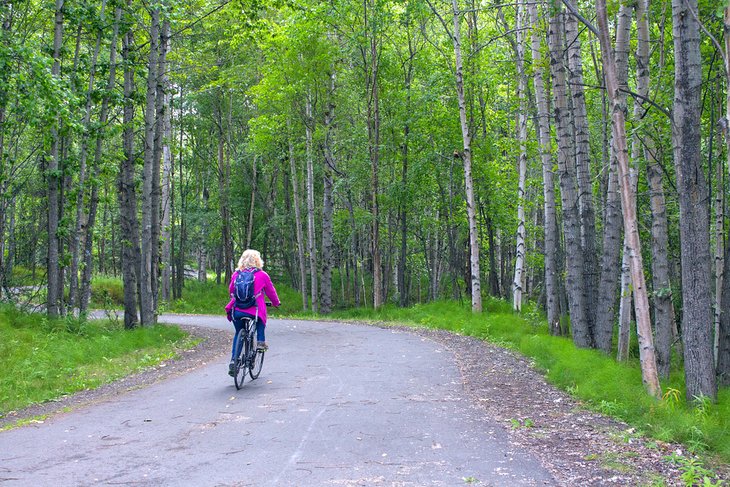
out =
column 243, row 290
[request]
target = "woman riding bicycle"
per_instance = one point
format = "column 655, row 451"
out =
column 250, row 262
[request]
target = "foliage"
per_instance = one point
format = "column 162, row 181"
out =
column 43, row 359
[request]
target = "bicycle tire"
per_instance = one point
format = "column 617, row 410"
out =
column 257, row 364
column 241, row 363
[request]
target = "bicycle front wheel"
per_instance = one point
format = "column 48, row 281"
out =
column 256, row 364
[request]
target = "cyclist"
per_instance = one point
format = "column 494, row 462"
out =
column 250, row 261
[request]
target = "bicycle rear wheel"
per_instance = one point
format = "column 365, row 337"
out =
column 241, row 364
column 256, row 364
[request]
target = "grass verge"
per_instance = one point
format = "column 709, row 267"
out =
column 42, row 360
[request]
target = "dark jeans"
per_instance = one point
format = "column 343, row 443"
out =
column 238, row 317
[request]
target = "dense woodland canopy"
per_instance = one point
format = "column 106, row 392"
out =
column 381, row 151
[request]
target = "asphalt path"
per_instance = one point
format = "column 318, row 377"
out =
column 336, row 404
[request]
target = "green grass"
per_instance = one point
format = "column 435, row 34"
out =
column 42, row 360
column 589, row 375
column 198, row 298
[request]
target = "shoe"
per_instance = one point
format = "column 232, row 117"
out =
column 262, row 346
column 232, row 368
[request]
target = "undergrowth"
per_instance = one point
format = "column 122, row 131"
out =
column 43, row 359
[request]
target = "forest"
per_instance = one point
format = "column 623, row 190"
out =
column 381, row 153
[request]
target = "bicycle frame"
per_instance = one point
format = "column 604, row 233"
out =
column 247, row 353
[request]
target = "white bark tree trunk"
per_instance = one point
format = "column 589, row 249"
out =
column 166, row 255
column 252, row 204
column 147, row 316
column 311, row 236
column 476, row 289
column 517, row 287
column 574, row 284
column 85, row 292
column 53, row 272
column 662, row 292
column 644, row 331
column 586, row 211
column 298, row 223
column 550, row 223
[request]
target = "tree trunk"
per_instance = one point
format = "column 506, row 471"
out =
column 131, row 258
column 723, row 332
column 180, row 261
column 552, row 302
column 311, row 237
column 166, row 189
column 327, row 204
column 298, row 224
column 723, row 351
column 694, row 224
column 403, row 210
column 663, row 307
column 53, row 171
column 161, row 110
column 228, row 257
column 622, row 76
column 579, row 316
column 517, row 287
column 628, row 205
column 147, row 316
column 5, row 34
column 252, row 205
column 202, row 248
column 611, row 273
column 624, row 307
column 354, row 249
column 85, row 291
column 224, row 175
column 75, row 243
column 608, row 286
column 476, row 292
column 583, row 167
column 373, row 97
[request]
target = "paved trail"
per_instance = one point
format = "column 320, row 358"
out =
column 335, row 404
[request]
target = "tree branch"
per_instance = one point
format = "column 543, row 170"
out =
column 578, row 16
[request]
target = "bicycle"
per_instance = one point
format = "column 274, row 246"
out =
column 250, row 359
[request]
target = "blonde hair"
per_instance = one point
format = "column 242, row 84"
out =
column 250, row 258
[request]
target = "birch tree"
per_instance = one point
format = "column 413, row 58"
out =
column 662, row 290
column 465, row 155
column 723, row 327
column 646, row 346
column 694, row 225
column 582, row 163
column 131, row 259
column 85, row 291
column 579, row 316
column 301, row 256
column 522, row 161
column 548, row 183
column 311, row 235
column 146, row 301
column 53, row 174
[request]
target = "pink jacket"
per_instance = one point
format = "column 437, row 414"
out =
column 261, row 282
